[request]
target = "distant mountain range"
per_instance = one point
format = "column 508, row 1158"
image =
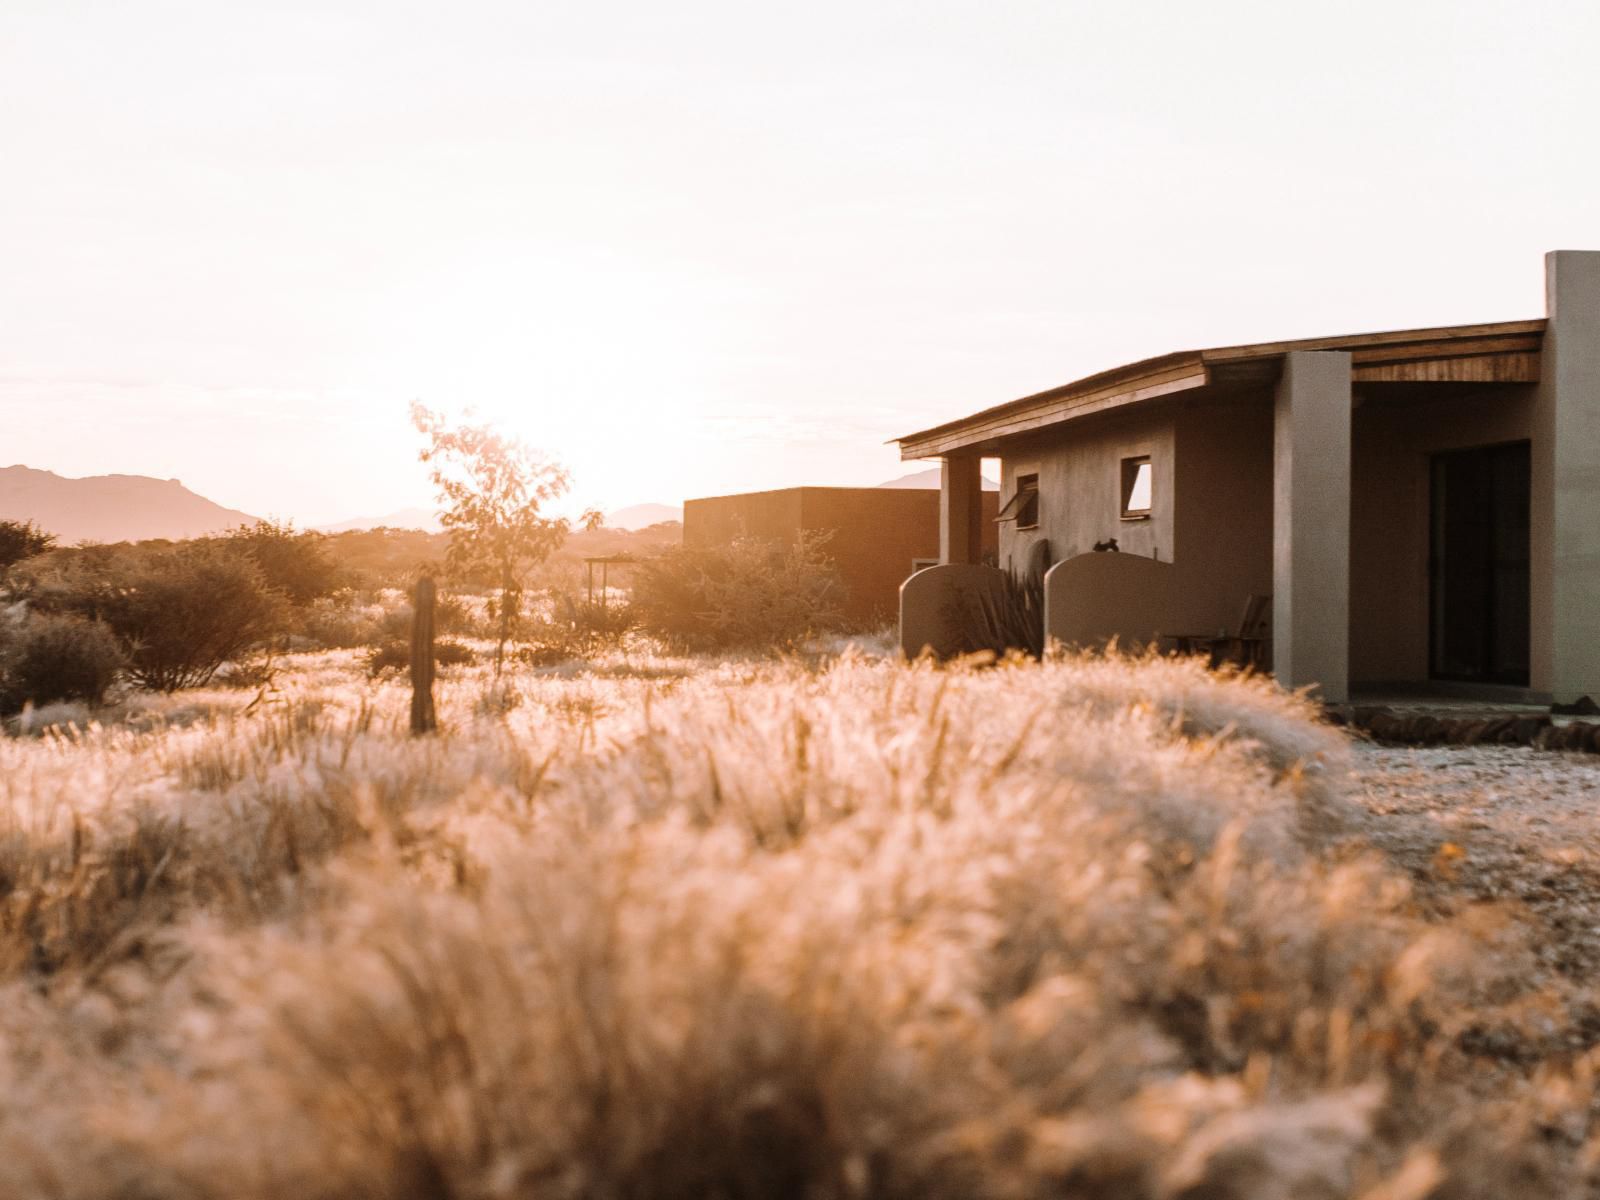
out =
column 930, row 479
column 424, row 519
column 127, row 508
column 110, row 508
column 642, row 516
column 639, row 516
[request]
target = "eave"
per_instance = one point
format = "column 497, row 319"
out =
column 1504, row 352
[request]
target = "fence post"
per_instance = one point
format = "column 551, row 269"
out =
column 422, row 716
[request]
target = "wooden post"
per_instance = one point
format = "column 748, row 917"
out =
column 422, row 715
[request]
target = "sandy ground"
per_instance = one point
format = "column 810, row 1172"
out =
column 1508, row 824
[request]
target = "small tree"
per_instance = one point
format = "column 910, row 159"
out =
column 20, row 540
column 494, row 489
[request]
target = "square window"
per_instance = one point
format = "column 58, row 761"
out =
column 1023, row 507
column 1138, row 479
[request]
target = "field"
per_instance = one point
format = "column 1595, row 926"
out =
column 830, row 926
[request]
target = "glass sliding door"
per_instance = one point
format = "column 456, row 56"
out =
column 1478, row 565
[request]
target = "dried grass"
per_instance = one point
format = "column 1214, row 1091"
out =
column 667, row 928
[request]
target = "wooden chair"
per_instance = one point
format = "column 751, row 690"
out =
column 1245, row 648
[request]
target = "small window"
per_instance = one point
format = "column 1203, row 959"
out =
column 922, row 564
column 1023, row 507
column 1137, row 481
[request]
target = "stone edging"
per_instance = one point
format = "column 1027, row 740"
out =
column 1507, row 729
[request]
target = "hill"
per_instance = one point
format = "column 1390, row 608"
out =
column 930, row 479
column 110, row 508
column 641, row 516
column 424, row 519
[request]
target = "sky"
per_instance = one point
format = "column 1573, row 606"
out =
column 709, row 247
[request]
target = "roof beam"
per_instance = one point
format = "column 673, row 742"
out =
column 936, row 442
column 1505, row 352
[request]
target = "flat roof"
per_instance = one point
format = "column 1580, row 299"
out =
column 1503, row 352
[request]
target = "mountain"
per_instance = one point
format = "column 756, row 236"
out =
column 110, row 508
column 930, row 479
column 641, row 516
column 402, row 518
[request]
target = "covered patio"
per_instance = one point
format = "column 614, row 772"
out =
column 1421, row 506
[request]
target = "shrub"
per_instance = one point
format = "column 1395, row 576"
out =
column 1009, row 618
column 749, row 594
column 396, row 656
column 605, row 624
column 336, row 622
column 295, row 564
column 451, row 614
column 180, row 614
column 54, row 657
column 20, row 540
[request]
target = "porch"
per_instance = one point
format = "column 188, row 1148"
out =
column 1418, row 505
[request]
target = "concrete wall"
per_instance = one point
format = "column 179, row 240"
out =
column 1312, row 405
column 1080, row 489
column 1392, row 442
column 936, row 605
column 718, row 520
column 876, row 533
column 1224, row 517
column 1566, row 482
column 1211, row 507
column 1091, row 598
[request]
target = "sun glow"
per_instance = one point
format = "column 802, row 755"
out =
column 596, row 363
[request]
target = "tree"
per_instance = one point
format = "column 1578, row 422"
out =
column 295, row 563
column 20, row 540
column 494, row 488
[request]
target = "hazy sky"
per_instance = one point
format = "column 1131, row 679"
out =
column 695, row 248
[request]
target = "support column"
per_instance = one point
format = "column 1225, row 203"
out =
column 961, row 509
column 1311, row 524
column 1565, row 520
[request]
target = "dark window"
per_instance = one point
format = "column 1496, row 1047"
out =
column 1023, row 507
column 1138, row 482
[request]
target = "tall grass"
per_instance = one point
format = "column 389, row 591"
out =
column 666, row 928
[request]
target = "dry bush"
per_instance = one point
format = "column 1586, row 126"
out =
column 179, row 614
column 749, row 595
column 1081, row 928
column 45, row 658
column 396, row 656
column 338, row 622
column 296, row 565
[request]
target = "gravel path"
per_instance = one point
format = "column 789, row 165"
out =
column 1495, row 823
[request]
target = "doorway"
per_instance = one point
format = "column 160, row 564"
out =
column 1478, row 565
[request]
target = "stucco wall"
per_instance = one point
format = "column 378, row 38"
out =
column 1391, row 446
column 1224, row 518
column 1080, row 490
column 1213, row 502
column 876, row 533
column 1211, row 506
column 718, row 520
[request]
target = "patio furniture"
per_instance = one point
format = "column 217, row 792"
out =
column 1245, row 648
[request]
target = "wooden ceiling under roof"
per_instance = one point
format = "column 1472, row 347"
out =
column 1507, row 352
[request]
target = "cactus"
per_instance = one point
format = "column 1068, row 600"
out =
column 422, row 665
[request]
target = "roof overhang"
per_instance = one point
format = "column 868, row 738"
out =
column 1507, row 352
